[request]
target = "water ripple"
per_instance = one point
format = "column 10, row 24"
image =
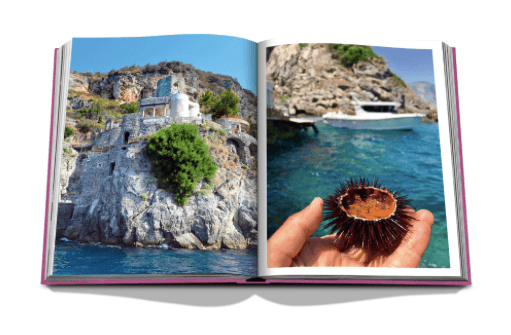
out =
column 308, row 166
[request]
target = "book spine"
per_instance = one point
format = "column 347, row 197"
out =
column 45, row 235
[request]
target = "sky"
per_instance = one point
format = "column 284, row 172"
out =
column 225, row 55
column 410, row 64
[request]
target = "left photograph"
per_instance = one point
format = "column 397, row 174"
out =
column 159, row 166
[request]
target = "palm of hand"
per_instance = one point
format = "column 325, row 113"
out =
column 292, row 246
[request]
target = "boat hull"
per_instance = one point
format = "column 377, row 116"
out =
column 376, row 124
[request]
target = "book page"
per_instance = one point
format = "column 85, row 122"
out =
column 358, row 176
column 158, row 172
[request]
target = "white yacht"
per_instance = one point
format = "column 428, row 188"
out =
column 374, row 115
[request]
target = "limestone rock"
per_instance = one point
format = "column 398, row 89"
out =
column 117, row 200
column 312, row 81
column 79, row 103
column 128, row 87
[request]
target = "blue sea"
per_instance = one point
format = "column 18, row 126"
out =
column 311, row 165
column 74, row 258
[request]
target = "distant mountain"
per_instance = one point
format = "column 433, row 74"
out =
column 424, row 90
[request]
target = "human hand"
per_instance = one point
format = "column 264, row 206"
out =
column 291, row 245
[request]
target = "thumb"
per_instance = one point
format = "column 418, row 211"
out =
column 289, row 239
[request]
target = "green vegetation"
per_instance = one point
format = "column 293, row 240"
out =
column 67, row 152
column 87, row 126
column 207, row 188
column 213, row 82
column 227, row 105
column 303, row 45
column 283, row 99
column 216, row 83
column 130, row 108
column 101, row 110
column 208, row 100
column 180, row 159
column 144, row 197
column 398, row 80
column 350, row 54
column 68, row 131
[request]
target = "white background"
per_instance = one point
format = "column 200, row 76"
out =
column 30, row 32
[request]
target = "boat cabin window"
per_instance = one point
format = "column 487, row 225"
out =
column 379, row 109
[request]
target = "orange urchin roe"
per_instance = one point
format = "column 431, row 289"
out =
column 368, row 203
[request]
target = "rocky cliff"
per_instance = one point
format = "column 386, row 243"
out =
column 110, row 194
column 309, row 78
column 133, row 83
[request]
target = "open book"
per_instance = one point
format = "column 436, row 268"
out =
column 214, row 159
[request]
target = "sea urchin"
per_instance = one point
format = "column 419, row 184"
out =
column 367, row 216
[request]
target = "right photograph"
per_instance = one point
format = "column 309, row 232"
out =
column 354, row 127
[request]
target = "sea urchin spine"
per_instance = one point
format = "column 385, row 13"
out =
column 367, row 216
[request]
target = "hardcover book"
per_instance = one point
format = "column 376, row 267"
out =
column 215, row 159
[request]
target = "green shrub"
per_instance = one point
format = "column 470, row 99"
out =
column 130, row 107
column 303, row 45
column 283, row 99
column 227, row 105
column 68, row 131
column 350, row 54
column 67, row 152
column 86, row 126
column 180, row 159
column 207, row 188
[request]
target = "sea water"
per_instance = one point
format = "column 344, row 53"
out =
column 311, row 165
column 74, row 258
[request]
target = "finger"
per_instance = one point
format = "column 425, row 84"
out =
column 288, row 240
column 414, row 245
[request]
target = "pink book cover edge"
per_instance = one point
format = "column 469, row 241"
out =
column 243, row 281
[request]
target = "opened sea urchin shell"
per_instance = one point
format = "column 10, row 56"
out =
column 367, row 216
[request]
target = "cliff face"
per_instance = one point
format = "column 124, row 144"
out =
column 132, row 84
column 113, row 197
column 310, row 79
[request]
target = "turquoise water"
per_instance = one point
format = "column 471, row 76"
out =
column 74, row 258
column 312, row 165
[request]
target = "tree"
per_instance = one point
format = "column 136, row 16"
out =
column 227, row 105
column 180, row 159
column 208, row 100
